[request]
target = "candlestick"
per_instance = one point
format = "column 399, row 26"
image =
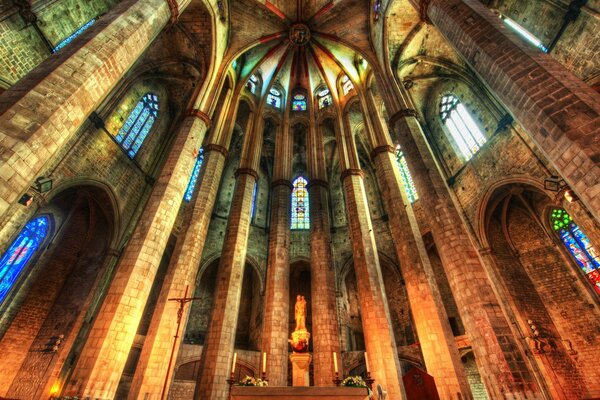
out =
column 337, row 380
column 264, row 363
column 367, row 362
column 335, row 366
column 369, row 380
column 233, row 364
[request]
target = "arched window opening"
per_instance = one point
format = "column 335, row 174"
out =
column 65, row 42
column 325, row 99
column 409, row 185
column 253, row 207
column 138, row 124
column 461, row 125
column 299, row 102
column 524, row 33
column 20, row 252
column 300, row 211
column 251, row 84
column 192, row 183
column 347, row 85
column 274, row 98
column 578, row 245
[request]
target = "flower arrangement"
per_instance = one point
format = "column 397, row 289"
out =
column 252, row 381
column 354, row 381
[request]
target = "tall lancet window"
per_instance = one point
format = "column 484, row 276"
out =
column 462, row 127
column 578, row 245
column 138, row 124
column 300, row 212
column 409, row 185
column 192, row 183
column 253, row 206
column 65, row 42
column 524, row 33
column 20, row 252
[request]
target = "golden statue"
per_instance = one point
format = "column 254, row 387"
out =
column 300, row 336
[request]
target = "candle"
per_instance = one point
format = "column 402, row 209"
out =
column 264, row 369
column 233, row 364
column 335, row 367
column 367, row 362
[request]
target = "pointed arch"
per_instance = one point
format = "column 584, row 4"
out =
column 463, row 129
column 138, row 124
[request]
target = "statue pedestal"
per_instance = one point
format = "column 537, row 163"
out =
column 300, row 367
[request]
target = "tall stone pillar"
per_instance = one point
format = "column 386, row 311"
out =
column 559, row 111
column 277, row 289
column 156, row 359
column 501, row 365
column 217, row 353
column 102, row 360
column 326, row 335
column 438, row 346
column 36, row 131
column 377, row 326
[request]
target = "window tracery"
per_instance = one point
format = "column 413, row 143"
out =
column 409, row 185
column 138, row 124
column 194, row 177
column 252, row 83
column 578, row 244
column 462, row 127
column 274, row 98
column 324, row 98
column 300, row 218
column 347, row 85
column 299, row 102
column 66, row 41
column 20, row 253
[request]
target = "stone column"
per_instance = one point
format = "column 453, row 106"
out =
column 103, row 357
column 277, row 289
column 377, row 326
column 559, row 111
column 36, row 126
column 151, row 371
column 326, row 335
column 438, row 346
column 501, row 365
column 217, row 353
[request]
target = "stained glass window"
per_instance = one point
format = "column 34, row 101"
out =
column 324, row 98
column 409, row 185
column 251, row 84
column 524, row 33
column 347, row 84
column 578, row 245
column 138, row 124
column 462, row 127
column 377, row 9
column 300, row 212
column 192, row 183
column 274, row 98
column 20, row 252
column 69, row 39
column 253, row 207
column 299, row 102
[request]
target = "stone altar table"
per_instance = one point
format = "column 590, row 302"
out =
column 298, row 393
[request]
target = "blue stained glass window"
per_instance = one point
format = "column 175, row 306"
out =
column 138, row 124
column 192, row 183
column 578, row 245
column 20, row 252
column 462, row 127
column 274, row 98
column 324, row 98
column 253, row 207
column 300, row 218
column 409, row 185
column 524, row 33
column 72, row 36
column 299, row 102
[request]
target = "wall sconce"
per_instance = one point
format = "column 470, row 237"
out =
column 570, row 196
column 554, row 183
column 43, row 184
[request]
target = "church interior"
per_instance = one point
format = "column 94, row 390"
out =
column 197, row 193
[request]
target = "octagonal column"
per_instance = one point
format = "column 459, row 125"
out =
column 377, row 326
column 217, row 353
column 102, row 360
column 326, row 335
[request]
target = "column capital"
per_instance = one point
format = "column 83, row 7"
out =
column 352, row 171
column 246, row 171
column 403, row 113
column 199, row 114
column 216, row 147
column 317, row 183
column 281, row 182
column 386, row 148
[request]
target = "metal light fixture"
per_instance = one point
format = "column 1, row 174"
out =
column 26, row 199
column 43, row 184
column 554, row 183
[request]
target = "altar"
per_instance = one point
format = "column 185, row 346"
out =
column 298, row 393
